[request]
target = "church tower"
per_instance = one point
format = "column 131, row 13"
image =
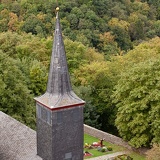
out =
column 59, row 111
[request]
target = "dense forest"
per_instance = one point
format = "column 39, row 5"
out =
column 113, row 54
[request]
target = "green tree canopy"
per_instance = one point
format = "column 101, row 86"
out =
column 96, row 75
column 137, row 98
column 15, row 96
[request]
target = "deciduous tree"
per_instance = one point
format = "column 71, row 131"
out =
column 138, row 100
column 15, row 96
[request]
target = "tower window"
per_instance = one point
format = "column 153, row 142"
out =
column 39, row 110
column 68, row 156
column 48, row 117
column 59, row 117
column 76, row 114
column 44, row 114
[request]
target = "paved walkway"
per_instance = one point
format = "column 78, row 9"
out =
column 108, row 156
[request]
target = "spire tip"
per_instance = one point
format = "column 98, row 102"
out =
column 57, row 9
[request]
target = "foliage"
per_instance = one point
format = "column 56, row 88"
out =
column 78, row 54
column 108, row 45
column 137, row 98
column 101, row 88
column 121, row 34
column 38, row 78
column 90, row 111
column 128, row 21
column 123, row 157
column 33, row 56
column 25, row 46
column 16, row 99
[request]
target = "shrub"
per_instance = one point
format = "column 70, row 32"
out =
column 123, row 157
column 104, row 149
column 109, row 148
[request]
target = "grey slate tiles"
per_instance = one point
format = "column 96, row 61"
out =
column 17, row 141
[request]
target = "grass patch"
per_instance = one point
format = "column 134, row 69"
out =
column 89, row 139
column 95, row 153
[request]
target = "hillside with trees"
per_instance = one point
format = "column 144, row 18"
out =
column 113, row 54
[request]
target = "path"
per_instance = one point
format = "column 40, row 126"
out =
column 107, row 157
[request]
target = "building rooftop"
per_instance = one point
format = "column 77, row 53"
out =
column 17, row 141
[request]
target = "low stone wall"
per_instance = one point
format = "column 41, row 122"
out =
column 112, row 139
column 108, row 137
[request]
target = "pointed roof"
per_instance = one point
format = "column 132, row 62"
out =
column 59, row 92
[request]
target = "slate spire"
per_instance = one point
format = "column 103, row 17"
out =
column 59, row 91
column 59, row 80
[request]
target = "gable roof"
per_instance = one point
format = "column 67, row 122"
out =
column 17, row 141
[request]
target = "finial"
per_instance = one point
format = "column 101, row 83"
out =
column 57, row 9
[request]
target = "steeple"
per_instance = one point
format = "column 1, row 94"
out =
column 59, row 92
column 58, row 81
column 59, row 111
